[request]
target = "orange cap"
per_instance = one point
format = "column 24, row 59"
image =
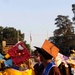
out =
column 50, row 48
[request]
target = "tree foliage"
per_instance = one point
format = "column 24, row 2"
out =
column 64, row 36
column 10, row 35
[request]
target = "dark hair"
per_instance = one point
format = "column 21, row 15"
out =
column 36, row 53
column 46, row 55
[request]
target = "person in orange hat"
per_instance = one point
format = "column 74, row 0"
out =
column 47, row 52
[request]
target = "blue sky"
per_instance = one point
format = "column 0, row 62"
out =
column 37, row 16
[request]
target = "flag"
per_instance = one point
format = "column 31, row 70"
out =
column 19, row 53
column 30, row 37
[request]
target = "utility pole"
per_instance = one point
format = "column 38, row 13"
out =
column 1, row 39
column 30, row 41
column 18, row 36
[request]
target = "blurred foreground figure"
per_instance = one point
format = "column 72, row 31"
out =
column 38, row 67
column 17, row 61
column 48, row 51
column 24, row 69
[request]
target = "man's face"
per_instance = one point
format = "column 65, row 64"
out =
column 42, row 58
column 37, row 58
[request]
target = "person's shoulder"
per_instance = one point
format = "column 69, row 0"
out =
column 41, row 64
column 55, row 71
column 36, row 64
column 55, row 68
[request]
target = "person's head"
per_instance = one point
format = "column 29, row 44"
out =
column 36, row 56
column 47, row 51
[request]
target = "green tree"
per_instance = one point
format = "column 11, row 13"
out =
column 64, row 34
column 10, row 35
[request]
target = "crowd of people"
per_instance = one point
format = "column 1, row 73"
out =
column 52, row 60
column 47, row 62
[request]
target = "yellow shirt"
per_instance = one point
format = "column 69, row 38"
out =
column 1, row 73
column 17, row 72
